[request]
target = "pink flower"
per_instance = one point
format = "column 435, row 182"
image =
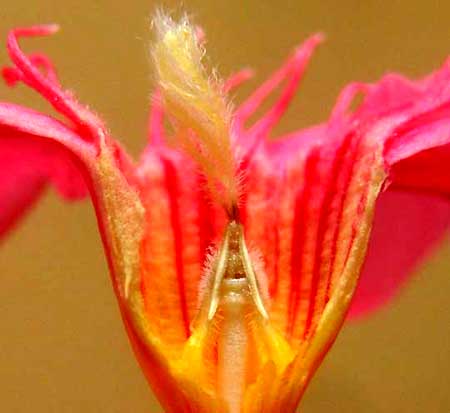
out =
column 234, row 257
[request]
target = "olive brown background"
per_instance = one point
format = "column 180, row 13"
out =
column 62, row 345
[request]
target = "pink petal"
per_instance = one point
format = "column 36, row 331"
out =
column 20, row 185
column 17, row 120
column 407, row 227
column 414, row 214
column 28, row 163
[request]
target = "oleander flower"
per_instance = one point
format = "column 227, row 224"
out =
column 234, row 257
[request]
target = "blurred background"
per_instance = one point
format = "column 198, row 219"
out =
column 62, row 345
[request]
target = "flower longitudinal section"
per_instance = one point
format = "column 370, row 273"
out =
column 234, row 257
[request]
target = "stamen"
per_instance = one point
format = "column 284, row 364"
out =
column 290, row 74
column 12, row 74
column 237, row 79
column 156, row 120
column 62, row 101
column 298, row 65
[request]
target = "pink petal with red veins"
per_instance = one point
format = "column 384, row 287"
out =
column 409, row 122
column 180, row 226
column 304, row 216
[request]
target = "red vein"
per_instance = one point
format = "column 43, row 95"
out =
column 298, row 239
column 325, row 213
column 173, row 192
column 205, row 220
column 349, row 140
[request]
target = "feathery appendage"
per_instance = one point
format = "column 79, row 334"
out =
column 197, row 107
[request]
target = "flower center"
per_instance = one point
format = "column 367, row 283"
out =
column 236, row 293
column 233, row 320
